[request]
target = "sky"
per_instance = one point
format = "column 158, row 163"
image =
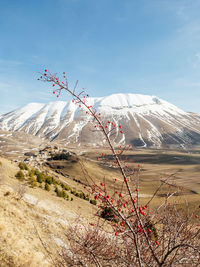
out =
column 110, row 46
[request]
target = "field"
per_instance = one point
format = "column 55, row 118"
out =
column 181, row 167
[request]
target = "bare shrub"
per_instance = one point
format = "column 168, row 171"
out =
column 140, row 236
column 20, row 191
column 90, row 246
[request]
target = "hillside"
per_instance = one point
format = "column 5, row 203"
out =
column 29, row 215
column 34, row 221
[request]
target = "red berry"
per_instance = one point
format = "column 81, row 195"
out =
column 157, row 243
column 121, row 132
column 54, row 92
column 57, row 95
column 116, row 233
column 120, row 126
column 45, row 70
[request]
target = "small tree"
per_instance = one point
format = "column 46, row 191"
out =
column 31, row 173
column 49, row 180
column 23, row 166
column 20, row 176
column 32, row 182
column 40, row 177
column 47, row 187
column 64, row 194
column 141, row 236
column 93, row 201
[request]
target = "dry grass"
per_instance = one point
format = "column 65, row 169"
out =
column 38, row 209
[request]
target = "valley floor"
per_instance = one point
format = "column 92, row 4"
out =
column 32, row 220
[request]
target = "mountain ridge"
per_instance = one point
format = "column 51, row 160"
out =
column 147, row 121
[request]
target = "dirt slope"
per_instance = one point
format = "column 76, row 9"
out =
column 37, row 215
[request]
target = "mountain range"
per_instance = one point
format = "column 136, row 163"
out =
column 147, row 121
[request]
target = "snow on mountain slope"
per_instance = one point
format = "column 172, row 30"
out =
column 147, row 121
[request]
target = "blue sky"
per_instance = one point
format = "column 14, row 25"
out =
column 111, row 46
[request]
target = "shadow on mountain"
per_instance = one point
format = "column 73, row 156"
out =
column 169, row 153
column 172, row 140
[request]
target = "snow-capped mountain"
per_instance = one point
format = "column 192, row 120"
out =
column 146, row 121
